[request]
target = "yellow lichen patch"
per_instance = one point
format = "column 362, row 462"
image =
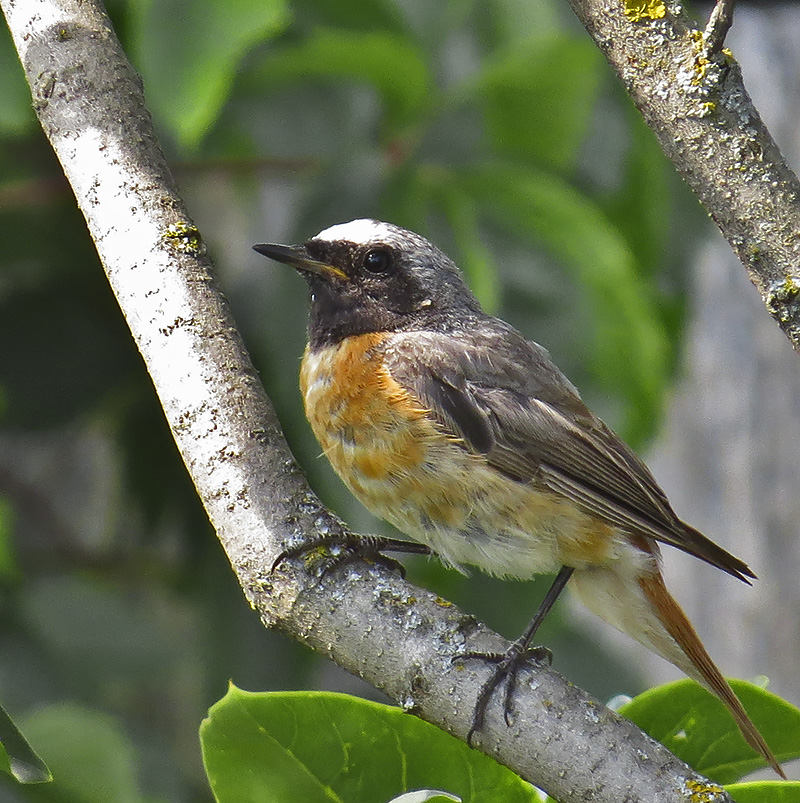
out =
column 184, row 237
column 701, row 65
column 637, row 10
column 700, row 792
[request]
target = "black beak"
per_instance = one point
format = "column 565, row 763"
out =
column 297, row 256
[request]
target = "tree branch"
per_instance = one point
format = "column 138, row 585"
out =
column 396, row 636
column 719, row 23
column 696, row 103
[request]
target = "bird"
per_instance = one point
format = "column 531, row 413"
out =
column 448, row 423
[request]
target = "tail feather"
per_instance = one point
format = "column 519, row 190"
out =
column 648, row 613
column 680, row 628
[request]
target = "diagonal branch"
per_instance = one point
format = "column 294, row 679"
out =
column 695, row 101
column 398, row 637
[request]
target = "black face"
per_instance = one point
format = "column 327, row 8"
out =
column 393, row 283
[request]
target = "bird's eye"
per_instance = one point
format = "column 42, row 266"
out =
column 377, row 260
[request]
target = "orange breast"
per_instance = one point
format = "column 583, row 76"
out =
column 369, row 427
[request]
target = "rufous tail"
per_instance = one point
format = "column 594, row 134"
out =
column 655, row 619
column 680, row 628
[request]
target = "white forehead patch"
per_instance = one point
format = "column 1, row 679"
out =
column 357, row 231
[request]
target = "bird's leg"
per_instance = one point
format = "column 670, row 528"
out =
column 508, row 664
column 354, row 547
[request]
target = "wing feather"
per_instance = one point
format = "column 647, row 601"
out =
column 501, row 396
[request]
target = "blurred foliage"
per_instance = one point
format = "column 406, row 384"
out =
column 492, row 128
column 17, row 758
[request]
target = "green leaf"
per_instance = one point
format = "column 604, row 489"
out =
column 189, row 53
column 695, row 725
column 16, row 112
column 765, row 792
column 91, row 759
column 630, row 349
column 515, row 19
column 17, row 757
column 390, row 64
column 538, row 98
column 641, row 207
column 406, row 197
column 318, row 747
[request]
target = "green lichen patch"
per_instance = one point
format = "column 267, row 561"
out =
column 782, row 298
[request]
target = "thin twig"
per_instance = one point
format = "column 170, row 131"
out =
column 719, row 23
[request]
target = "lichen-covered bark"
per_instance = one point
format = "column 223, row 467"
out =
column 698, row 108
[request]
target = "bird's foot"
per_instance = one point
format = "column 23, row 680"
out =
column 334, row 551
column 507, row 667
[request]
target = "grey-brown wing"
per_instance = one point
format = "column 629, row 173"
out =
column 503, row 397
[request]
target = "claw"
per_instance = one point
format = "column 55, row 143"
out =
column 507, row 666
column 517, row 655
column 369, row 548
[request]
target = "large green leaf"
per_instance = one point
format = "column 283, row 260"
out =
column 474, row 257
column 189, row 53
column 358, row 14
column 17, row 757
column 538, row 98
column 389, row 63
column 320, row 747
column 696, row 726
column 514, row 20
column 765, row 792
column 9, row 570
column 641, row 207
column 630, row 349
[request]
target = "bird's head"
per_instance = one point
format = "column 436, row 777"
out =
column 368, row 276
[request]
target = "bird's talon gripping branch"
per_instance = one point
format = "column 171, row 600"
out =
column 352, row 548
column 507, row 667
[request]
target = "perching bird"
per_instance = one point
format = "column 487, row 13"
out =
column 464, row 435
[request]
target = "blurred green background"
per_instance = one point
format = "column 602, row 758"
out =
column 493, row 128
